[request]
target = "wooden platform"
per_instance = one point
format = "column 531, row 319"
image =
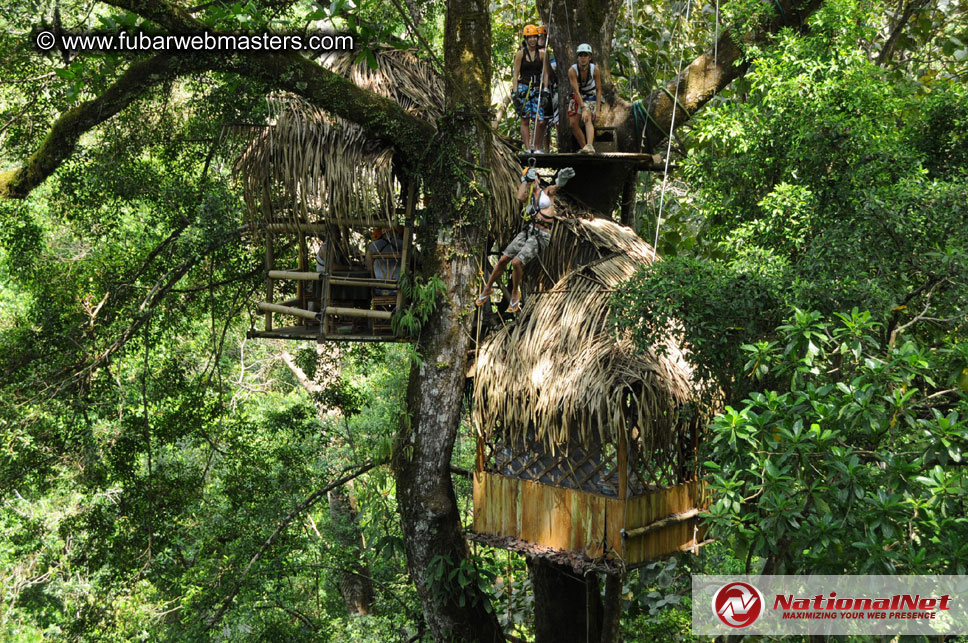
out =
column 640, row 162
column 311, row 333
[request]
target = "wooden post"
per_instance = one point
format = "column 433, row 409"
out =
column 325, row 294
column 623, row 484
column 407, row 238
column 628, row 200
column 270, row 261
column 303, row 262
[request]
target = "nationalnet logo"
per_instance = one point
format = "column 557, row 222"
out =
column 738, row 604
column 831, row 605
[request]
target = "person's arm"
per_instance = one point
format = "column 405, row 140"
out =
column 598, row 92
column 573, row 81
column 565, row 175
column 517, row 71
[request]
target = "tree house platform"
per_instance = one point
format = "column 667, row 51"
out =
column 600, row 179
column 639, row 162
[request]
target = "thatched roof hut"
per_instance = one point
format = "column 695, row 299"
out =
column 309, row 167
column 586, row 445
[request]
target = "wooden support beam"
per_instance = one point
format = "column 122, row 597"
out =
column 359, row 312
column 286, row 310
column 296, row 275
column 407, row 237
column 674, row 519
column 326, row 294
column 335, row 281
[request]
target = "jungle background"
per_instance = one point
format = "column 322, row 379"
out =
column 164, row 478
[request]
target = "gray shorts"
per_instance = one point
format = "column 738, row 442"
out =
column 527, row 245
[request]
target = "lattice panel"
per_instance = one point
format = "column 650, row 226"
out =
column 662, row 465
column 593, row 470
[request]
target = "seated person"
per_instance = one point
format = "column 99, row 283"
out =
column 586, row 98
column 385, row 240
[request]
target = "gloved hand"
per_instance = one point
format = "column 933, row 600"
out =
column 517, row 99
column 529, row 175
column 564, row 176
column 546, row 105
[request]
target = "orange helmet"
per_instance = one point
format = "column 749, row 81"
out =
column 530, row 30
column 542, row 30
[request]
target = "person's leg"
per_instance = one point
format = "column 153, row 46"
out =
column 539, row 135
column 576, row 130
column 589, row 125
column 498, row 269
column 517, row 272
column 525, row 133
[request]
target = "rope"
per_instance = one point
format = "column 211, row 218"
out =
column 672, row 127
column 716, row 41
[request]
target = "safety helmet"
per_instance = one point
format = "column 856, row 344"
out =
column 530, row 30
column 542, row 30
column 585, row 48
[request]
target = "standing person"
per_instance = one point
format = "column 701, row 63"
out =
column 533, row 239
column 586, row 98
column 529, row 62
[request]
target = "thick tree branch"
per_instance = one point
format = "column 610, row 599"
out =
column 712, row 72
column 381, row 117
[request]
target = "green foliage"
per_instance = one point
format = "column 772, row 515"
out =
column 710, row 307
column 854, row 466
column 474, row 577
column 422, row 295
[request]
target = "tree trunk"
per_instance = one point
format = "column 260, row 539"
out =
column 454, row 235
column 612, row 618
column 355, row 585
column 571, row 606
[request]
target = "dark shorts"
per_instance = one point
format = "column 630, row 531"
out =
column 541, row 110
column 527, row 245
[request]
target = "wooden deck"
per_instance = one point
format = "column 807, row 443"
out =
column 641, row 162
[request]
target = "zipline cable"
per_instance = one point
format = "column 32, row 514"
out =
column 672, row 127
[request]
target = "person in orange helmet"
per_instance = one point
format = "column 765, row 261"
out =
column 527, row 81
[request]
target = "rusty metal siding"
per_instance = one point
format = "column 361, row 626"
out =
column 578, row 521
column 551, row 516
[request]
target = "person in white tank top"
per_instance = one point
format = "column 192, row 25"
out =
column 586, row 98
column 533, row 239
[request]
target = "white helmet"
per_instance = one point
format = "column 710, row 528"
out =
column 585, row 48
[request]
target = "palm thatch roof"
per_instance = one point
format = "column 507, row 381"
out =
column 561, row 376
column 312, row 167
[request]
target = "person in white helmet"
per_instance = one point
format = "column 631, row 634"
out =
column 586, row 98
